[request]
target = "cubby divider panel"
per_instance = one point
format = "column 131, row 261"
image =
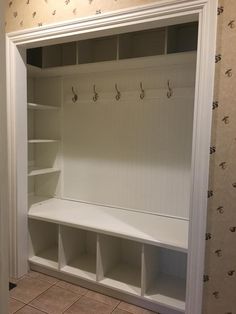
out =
column 43, row 243
column 165, row 276
column 119, row 264
column 78, row 252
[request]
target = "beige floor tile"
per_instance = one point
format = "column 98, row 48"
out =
column 29, row 310
column 89, row 306
column 29, row 288
column 133, row 309
column 34, row 274
column 14, row 305
column 68, row 286
column 55, row 300
column 119, row 311
column 102, row 298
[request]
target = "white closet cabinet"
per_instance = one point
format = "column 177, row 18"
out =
column 109, row 155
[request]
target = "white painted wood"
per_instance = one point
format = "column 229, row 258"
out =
column 17, row 160
column 37, row 199
column 38, row 141
column 169, row 291
column 78, row 252
column 131, row 298
column 146, row 228
column 43, row 243
column 4, row 183
column 44, row 128
column 35, row 171
column 158, row 14
column 165, row 276
column 41, row 107
column 47, row 185
column 186, row 58
column 120, row 264
column 200, row 154
column 124, row 153
column 47, row 258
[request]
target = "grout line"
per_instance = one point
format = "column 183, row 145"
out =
column 31, row 307
column 116, row 307
column 43, row 291
column 102, row 301
column 72, row 303
column 52, row 285
column 18, row 300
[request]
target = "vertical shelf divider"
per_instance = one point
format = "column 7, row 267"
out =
column 143, row 273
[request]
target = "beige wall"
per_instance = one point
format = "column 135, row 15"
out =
column 220, row 278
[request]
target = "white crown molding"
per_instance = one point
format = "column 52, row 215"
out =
column 109, row 20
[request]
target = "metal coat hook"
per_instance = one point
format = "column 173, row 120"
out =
column 142, row 94
column 75, row 96
column 118, row 94
column 95, row 94
column 170, row 90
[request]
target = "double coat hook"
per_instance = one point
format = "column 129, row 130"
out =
column 95, row 94
column 75, row 96
column 170, row 90
column 142, row 94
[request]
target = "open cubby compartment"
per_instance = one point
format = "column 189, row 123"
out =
column 142, row 43
column 119, row 264
column 164, row 276
column 43, row 125
column 97, row 49
column 182, row 37
column 43, row 243
column 44, row 91
column 78, row 252
column 43, row 156
column 43, row 187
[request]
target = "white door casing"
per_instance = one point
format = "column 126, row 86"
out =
column 4, row 243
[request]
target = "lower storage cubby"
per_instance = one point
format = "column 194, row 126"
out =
column 165, row 276
column 43, row 243
column 120, row 264
column 78, row 252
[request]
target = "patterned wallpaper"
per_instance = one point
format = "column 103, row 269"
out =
column 32, row 13
column 220, row 270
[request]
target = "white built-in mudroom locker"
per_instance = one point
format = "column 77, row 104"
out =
column 110, row 128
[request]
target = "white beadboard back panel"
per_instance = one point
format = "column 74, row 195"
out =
column 130, row 153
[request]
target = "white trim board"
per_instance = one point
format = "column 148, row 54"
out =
column 161, row 13
column 4, row 195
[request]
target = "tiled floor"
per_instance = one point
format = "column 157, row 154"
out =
column 39, row 294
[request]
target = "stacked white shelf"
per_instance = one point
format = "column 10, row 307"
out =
column 43, row 139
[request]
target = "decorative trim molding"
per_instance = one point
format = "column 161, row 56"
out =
column 158, row 14
column 4, row 195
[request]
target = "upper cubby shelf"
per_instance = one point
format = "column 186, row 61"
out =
column 161, row 231
column 161, row 61
column 144, row 43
